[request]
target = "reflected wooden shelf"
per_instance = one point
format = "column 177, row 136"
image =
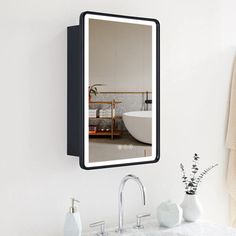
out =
column 109, row 118
column 106, row 133
column 104, row 102
column 113, row 132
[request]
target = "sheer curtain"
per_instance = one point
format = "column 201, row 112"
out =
column 231, row 145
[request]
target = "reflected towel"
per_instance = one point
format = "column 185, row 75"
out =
column 231, row 145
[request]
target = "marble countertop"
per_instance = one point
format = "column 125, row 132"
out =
column 152, row 228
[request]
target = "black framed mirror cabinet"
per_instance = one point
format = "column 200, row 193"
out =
column 113, row 90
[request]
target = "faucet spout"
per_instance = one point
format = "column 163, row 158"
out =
column 121, row 188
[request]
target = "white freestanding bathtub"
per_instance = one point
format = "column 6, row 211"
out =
column 139, row 125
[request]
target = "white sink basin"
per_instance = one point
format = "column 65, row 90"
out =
column 185, row 229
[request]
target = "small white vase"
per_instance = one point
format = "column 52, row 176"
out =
column 192, row 209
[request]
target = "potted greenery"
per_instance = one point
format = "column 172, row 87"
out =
column 93, row 90
column 191, row 206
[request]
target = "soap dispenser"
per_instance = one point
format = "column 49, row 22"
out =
column 73, row 226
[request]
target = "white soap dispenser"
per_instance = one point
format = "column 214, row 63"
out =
column 73, row 226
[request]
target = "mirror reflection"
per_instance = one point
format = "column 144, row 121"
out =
column 121, row 101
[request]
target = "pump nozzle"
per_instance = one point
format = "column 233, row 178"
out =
column 73, row 208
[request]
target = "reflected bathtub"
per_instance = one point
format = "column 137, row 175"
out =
column 139, row 125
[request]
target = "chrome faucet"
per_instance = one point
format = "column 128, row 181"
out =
column 121, row 188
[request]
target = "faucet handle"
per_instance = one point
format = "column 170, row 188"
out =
column 102, row 228
column 139, row 218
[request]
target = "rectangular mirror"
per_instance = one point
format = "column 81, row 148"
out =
column 119, row 81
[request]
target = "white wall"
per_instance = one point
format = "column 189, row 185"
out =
column 37, row 178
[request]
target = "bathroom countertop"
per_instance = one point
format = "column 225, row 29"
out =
column 185, row 229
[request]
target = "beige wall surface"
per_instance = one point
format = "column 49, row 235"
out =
column 120, row 56
column 37, row 178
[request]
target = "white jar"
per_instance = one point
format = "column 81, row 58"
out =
column 169, row 214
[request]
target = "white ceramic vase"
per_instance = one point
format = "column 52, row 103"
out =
column 192, row 209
